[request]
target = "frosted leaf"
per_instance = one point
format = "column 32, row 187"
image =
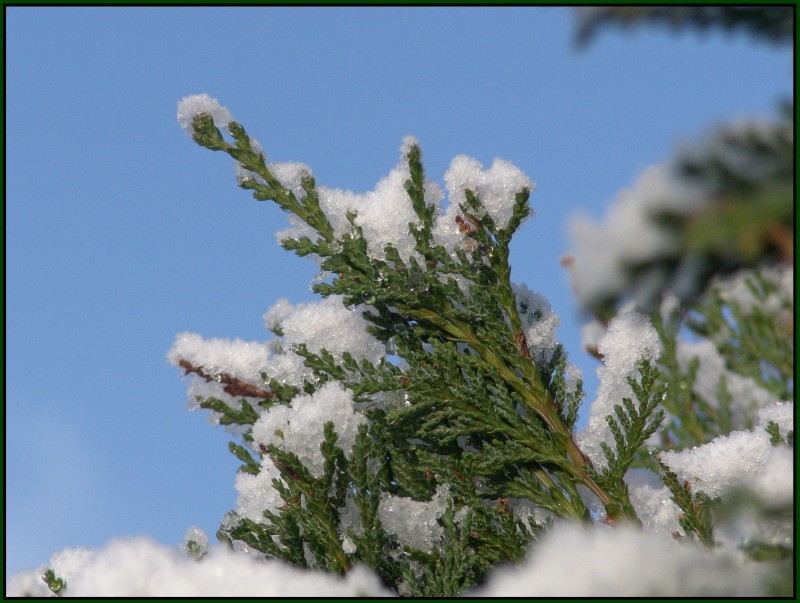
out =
column 302, row 424
column 621, row 562
column 277, row 313
column 446, row 231
column 296, row 231
column 652, row 501
column 781, row 413
column 732, row 461
column 290, row 175
column 629, row 340
column 196, row 104
column 408, row 142
column 414, row 521
column 539, row 322
column 572, row 375
column 256, row 493
column 242, row 174
column 496, row 187
column 383, row 213
column 200, row 540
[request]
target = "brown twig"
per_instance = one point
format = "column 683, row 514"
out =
column 233, row 386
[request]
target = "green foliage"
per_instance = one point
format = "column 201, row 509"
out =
column 462, row 404
column 467, row 407
column 57, row 586
column 775, row 436
column 756, row 341
column 482, row 537
column 695, row 518
column 478, row 415
column 631, row 425
column 470, row 377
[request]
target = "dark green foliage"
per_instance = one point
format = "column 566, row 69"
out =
column 247, row 415
column 775, row 436
column 482, row 537
column 631, row 425
column 470, row 409
column 695, row 518
column 770, row 22
column 311, row 513
column 240, row 452
column 691, row 419
column 461, row 402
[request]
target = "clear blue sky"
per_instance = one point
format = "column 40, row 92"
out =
column 121, row 232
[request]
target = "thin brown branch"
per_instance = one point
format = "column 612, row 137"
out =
column 233, row 386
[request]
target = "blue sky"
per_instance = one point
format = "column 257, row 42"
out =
column 121, row 232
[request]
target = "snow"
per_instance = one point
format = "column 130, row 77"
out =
column 256, row 493
column 302, row 423
column 740, row 459
column 653, row 503
column 496, row 187
column 572, row 561
column 383, row 213
column 539, row 321
column 239, row 359
column 139, row 567
column 735, row 289
column 191, row 106
column 413, row 521
column 323, row 324
column 328, row 324
column 630, row 338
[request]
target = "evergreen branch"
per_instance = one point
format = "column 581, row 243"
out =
column 633, row 424
column 317, row 517
column 373, row 542
column 240, row 452
column 695, row 517
column 229, row 415
column 208, row 135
